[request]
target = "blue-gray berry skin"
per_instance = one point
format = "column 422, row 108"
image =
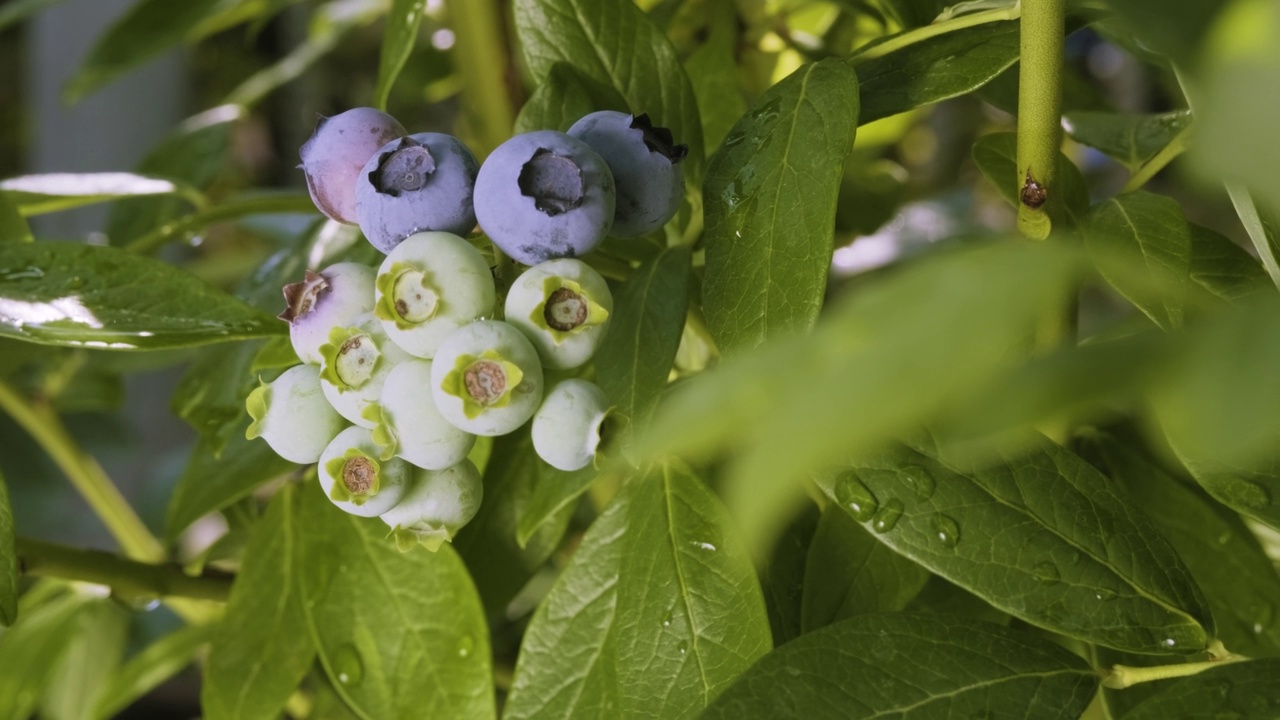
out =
column 333, row 156
column 544, row 195
column 414, row 184
column 645, row 162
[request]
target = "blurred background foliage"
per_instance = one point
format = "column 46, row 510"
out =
column 219, row 94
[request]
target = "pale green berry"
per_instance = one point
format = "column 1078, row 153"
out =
column 567, row 427
column 563, row 307
column 293, row 416
column 355, row 478
column 333, row 297
column 356, row 362
column 486, row 378
column 430, row 285
column 410, row 426
column 436, row 507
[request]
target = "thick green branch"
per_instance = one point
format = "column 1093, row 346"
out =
column 85, row 473
column 1039, row 112
column 130, row 580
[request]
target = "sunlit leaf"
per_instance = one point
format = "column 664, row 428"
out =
column 37, row 194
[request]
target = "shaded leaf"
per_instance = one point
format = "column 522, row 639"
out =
column 1038, row 534
column 635, row 357
column 770, row 199
column 8, row 561
column 31, row 648
column 398, row 39
column 918, row 666
column 931, row 70
column 714, row 74
column 1239, row 691
column 399, row 634
column 1224, row 268
column 564, row 96
column 783, row 577
column 94, row 652
column 849, row 573
column 262, row 649
column 1129, row 138
column 86, row 295
column 1263, row 228
column 50, row 192
column 551, row 494
column 147, row 670
column 657, row 612
column 1141, row 244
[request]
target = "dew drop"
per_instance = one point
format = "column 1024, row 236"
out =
column 1046, row 572
column 683, row 647
column 1105, row 594
column 920, row 480
column 1247, row 493
column 855, row 496
column 666, row 621
column 465, row 646
column 347, row 665
column 888, row 516
column 946, row 530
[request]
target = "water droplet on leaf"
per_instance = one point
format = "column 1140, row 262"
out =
column 920, row 480
column 855, row 496
column 888, row 516
column 946, row 530
column 347, row 666
column 465, row 646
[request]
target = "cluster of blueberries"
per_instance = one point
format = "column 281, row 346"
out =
column 403, row 365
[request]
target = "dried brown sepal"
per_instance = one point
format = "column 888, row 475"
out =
column 301, row 297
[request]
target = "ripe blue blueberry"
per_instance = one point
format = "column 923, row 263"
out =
column 293, row 416
column 335, row 153
column 409, row 425
column 414, row 184
column 430, row 285
column 567, row 427
column 436, row 507
column 333, row 297
column 544, row 195
column 486, row 378
column 355, row 479
column 563, row 307
column 645, row 162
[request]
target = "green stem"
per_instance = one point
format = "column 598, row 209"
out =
column 1167, row 154
column 481, row 58
column 227, row 211
column 920, row 34
column 85, row 474
column 1123, row 676
column 1039, row 112
column 130, row 580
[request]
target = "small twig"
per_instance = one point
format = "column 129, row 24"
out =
column 132, row 581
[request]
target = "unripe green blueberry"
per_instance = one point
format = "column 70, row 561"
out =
column 356, row 362
column 567, row 427
column 293, row 416
column 563, row 307
column 335, row 296
column 430, row 285
column 436, row 507
column 486, row 378
column 410, row 426
column 357, row 480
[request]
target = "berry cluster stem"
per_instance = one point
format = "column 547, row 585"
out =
column 128, row 579
column 1039, row 112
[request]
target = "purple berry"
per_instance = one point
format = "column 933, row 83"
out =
column 335, row 152
column 333, row 297
column 416, row 184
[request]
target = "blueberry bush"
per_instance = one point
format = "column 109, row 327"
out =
column 708, row 359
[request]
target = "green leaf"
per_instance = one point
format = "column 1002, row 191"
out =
column 232, row 209
column 917, row 666
column 501, row 563
column 849, row 573
column 1238, row 691
column 943, row 597
column 15, row 11
column 8, row 561
column 615, row 44
column 931, row 70
column 551, row 494
column 399, row 634
column 50, row 192
column 1038, row 534
column 1223, row 267
column 262, row 649
column 92, row 296
column 147, row 670
column 149, row 28
column 397, row 43
column 1141, row 244
column 635, row 357
column 213, row 480
column 1263, row 229
column 94, row 652
column 995, row 156
column 193, row 153
column 783, row 576
column 13, row 227
column 714, row 74
column 1239, row 581
column 564, row 96
column 770, row 199
column 1129, row 138
column 659, row 575
column 32, row 648
column 1172, row 30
